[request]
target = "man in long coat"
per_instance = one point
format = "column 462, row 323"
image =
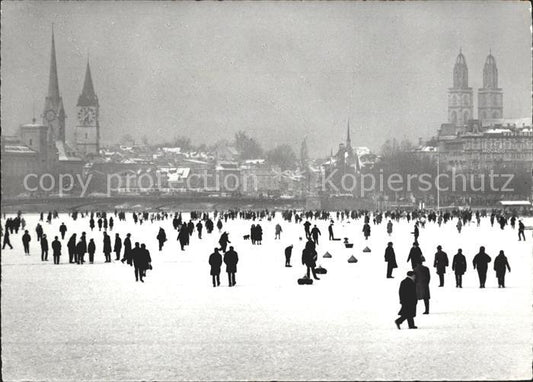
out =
column 415, row 254
column 127, row 250
column 390, row 258
column 422, row 278
column 215, row 261
column 459, row 267
column 138, row 259
column 56, row 250
column 441, row 262
column 481, row 263
column 107, row 247
column 231, row 258
column 118, row 246
column 408, row 301
column 501, row 265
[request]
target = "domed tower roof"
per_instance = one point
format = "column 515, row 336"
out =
column 490, row 73
column 460, row 72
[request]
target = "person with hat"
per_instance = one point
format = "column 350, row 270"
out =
column 422, row 278
column 56, row 250
column 414, row 255
column 44, row 248
column 441, row 262
column 231, row 258
column 215, row 261
column 408, row 301
column 390, row 259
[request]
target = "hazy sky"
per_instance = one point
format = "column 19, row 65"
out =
column 279, row 71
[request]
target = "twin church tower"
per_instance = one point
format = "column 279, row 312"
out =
column 87, row 131
column 461, row 99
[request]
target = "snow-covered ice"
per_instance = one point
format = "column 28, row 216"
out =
column 94, row 322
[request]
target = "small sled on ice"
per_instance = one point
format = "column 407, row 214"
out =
column 305, row 281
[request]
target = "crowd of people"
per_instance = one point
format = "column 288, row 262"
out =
column 415, row 286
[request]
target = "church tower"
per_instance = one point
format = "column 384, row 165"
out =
column 490, row 97
column 460, row 96
column 88, row 126
column 54, row 112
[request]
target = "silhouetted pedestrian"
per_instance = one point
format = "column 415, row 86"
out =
column 441, row 262
column 215, row 261
column 26, row 242
column 415, row 254
column 56, row 250
column 501, row 265
column 44, row 248
column 480, row 262
column 231, row 258
column 408, row 300
column 91, row 249
column 422, row 278
column 390, row 258
column 459, row 267
column 118, row 246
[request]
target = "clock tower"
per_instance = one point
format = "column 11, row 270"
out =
column 88, row 126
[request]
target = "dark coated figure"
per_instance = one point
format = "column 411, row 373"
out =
column 390, row 259
column 501, row 265
column 459, row 267
column 231, row 258
column 215, row 261
column 408, row 300
column 288, row 254
column 415, row 254
column 481, row 262
column 441, row 262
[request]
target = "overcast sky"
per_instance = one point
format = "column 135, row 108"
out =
column 279, row 71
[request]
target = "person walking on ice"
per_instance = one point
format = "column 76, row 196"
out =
column 521, row 229
column 501, row 265
column 56, row 250
column 408, row 301
column 390, row 258
column 26, row 243
column 480, row 262
column 278, row 232
column 459, row 267
column 215, row 261
column 231, row 258
column 441, row 262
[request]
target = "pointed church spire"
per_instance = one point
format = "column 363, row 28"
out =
column 348, row 140
column 88, row 96
column 53, row 84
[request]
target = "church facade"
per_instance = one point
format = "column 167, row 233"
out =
column 489, row 142
column 42, row 148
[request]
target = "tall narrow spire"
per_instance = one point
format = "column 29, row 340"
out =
column 53, row 84
column 348, row 140
column 88, row 96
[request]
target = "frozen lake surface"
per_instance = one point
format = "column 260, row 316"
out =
column 94, row 322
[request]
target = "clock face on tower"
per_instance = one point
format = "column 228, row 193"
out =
column 86, row 116
column 50, row 115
